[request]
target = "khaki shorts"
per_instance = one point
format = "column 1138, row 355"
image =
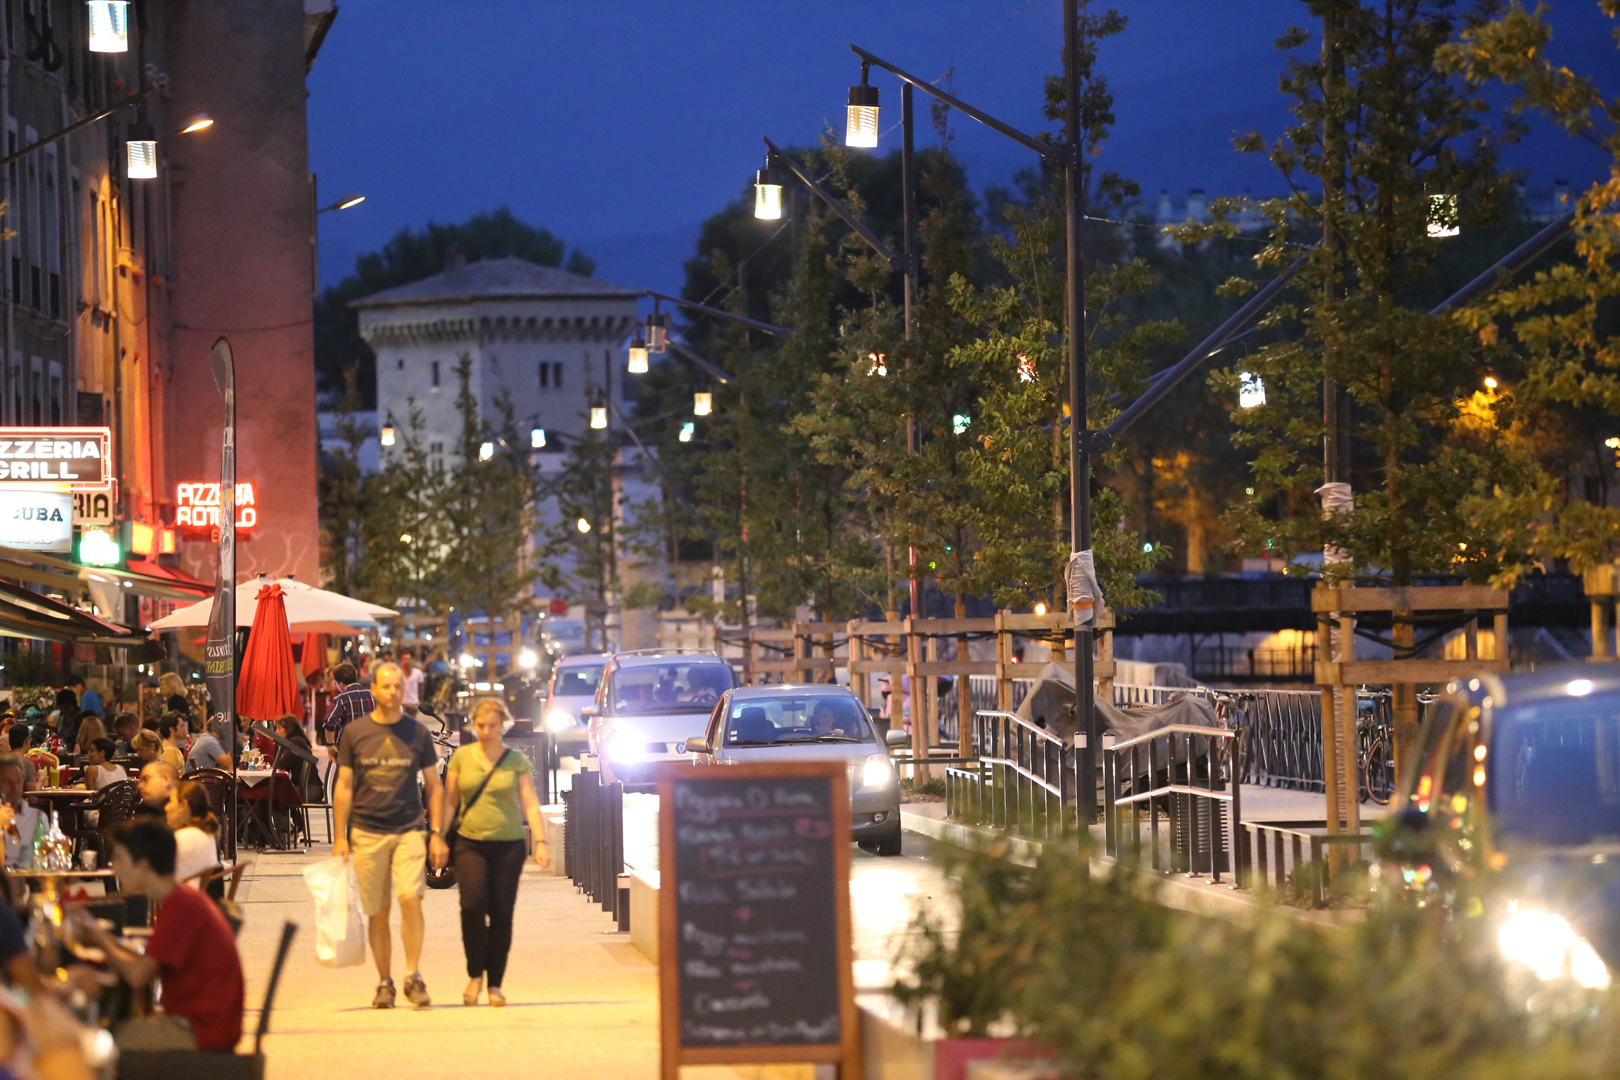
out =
column 377, row 856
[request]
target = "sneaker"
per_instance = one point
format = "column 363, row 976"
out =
column 415, row 990
column 385, row 995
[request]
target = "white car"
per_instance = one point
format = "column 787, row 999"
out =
column 648, row 703
column 818, row 722
column 572, row 687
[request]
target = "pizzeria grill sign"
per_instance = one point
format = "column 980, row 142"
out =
column 74, row 458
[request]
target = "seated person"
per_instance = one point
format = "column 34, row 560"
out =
column 701, row 688
column 172, row 729
column 191, row 949
column 196, row 831
column 125, row 725
column 828, row 721
column 207, row 752
column 157, row 783
column 17, row 818
column 101, row 771
column 148, row 746
column 21, row 738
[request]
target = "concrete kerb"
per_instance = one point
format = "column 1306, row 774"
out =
column 1195, row 895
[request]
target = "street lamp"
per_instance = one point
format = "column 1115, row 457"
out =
column 599, row 417
column 687, row 430
column 198, row 123
column 582, row 525
column 537, row 438
column 387, row 435
column 702, row 403
column 109, row 26
column 657, row 332
column 861, row 118
column 638, row 355
column 142, row 150
column 486, row 451
column 343, row 204
column 768, row 193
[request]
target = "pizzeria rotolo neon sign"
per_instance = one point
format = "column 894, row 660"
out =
column 196, row 506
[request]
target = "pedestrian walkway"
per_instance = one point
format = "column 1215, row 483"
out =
column 583, row 1001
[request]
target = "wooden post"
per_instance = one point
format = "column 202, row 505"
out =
column 1403, row 696
column 1003, row 664
column 1332, row 779
column 859, row 683
column 919, row 727
column 1599, row 582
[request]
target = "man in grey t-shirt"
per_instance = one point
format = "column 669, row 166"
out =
column 378, row 814
column 208, row 752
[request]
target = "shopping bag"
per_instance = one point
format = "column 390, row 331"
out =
column 340, row 935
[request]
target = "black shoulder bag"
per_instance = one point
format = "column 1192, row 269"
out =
column 446, row 878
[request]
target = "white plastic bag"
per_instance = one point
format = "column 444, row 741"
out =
column 340, row 934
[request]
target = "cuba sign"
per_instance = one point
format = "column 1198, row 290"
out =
column 67, row 458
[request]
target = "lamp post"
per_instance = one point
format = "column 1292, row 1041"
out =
column 1082, row 441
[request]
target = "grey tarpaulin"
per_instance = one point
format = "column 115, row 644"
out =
column 1050, row 704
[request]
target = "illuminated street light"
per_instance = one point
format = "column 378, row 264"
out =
column 960, row 423
column 469, row 661
column 142, row 150
column 537, row 438
column 767, row 194
column 342, row 204
column 582, row 525
column 1443, row 216
column 109, row 26
column 486, row 451
column 861, row 118
column 1251, row 390
column 1040, row 608
column 406, row 538
column 1490, row 382
column 638, row 356
column 387, row 436
column 598, row 417
column 702, row 404
column 200, row 122
column 687, row 430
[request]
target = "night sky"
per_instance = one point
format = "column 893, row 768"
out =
column 621, row 124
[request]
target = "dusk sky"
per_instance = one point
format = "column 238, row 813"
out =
column 620, row 125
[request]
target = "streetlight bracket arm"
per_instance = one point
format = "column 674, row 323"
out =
column 895, row 261
column 1096, row 441
column 1042, row 148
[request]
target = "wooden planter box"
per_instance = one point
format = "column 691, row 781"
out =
column 892, row 1049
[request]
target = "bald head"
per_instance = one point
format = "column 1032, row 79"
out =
column 158, row 780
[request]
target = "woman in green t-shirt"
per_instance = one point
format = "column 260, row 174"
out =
column 489, row 843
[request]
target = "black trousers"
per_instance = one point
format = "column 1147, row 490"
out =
column 487, row 873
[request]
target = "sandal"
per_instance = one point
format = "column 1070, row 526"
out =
column 469, row 996
column 496, row 998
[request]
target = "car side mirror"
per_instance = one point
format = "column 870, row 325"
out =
column 589, row 712
column 896, row 737
column 693, row 746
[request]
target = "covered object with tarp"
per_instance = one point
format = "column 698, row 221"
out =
column 1050, row 704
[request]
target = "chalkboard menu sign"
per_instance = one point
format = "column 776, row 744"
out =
column 754, row 915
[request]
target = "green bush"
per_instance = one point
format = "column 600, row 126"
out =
column 1123, row 988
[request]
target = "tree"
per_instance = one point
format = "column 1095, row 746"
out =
column 411, row 256
column 1559, row 329
column 1383, row 142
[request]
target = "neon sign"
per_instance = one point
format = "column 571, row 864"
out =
column 196, row 506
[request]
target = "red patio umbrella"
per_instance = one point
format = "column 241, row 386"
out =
column 268, row 686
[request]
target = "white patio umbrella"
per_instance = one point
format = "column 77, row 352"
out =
column 309, row 610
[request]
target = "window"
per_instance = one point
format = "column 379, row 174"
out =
column 435, row 374
column 1555, row 771
column 577, row 681
column 650, row 689
column 550, row 375
column 35, row 395
column 556, row 375
column 436, row 452
column 545, row 375
column 812, row 718
column 55, row 407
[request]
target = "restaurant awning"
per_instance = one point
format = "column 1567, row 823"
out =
column 143, row 578
column 28, row 614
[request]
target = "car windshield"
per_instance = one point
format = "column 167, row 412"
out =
column 780, row 721
column 677, row 687
column 578, row 681
column 1556, row 774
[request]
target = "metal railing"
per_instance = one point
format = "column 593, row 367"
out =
column 1187, row 775
column 1024, row 779
column 593, row 839
column 1289, row 859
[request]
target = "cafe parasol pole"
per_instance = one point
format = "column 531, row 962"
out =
column 220, row 650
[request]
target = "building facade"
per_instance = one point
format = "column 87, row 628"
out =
column 115, row 286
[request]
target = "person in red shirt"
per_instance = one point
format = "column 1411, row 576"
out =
column 191, row 949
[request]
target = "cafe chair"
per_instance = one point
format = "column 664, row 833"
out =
column 217, row 782
column 208, row 1065
column 113, row 805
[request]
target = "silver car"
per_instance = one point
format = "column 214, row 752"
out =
column 572, row 687
column 812, row 723
column 647, row 702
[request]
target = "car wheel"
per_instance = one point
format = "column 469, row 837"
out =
column 889, row 845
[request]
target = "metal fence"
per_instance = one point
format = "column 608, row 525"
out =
column 1184, row 775
column 593, row 841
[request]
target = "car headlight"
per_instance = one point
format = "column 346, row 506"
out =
column 878, row 771
column 1547, row 945
column 527, row 658
column 625, row 745
column 559, row 720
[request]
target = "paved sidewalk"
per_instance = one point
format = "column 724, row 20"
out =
column 583, row 1001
